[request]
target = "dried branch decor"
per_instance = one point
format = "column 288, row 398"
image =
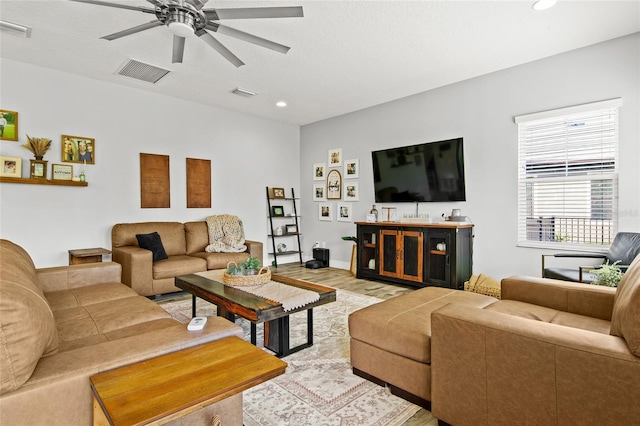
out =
column 39, row 146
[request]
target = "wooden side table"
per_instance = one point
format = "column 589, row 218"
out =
column 89, row 255
column 171, row 386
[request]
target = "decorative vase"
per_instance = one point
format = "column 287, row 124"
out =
column 39, row 157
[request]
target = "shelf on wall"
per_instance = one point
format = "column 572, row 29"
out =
column 30, row 181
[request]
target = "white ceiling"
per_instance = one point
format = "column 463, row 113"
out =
column 345, row 55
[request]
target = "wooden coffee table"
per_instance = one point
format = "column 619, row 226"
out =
column 231, row 301
column 165, row 388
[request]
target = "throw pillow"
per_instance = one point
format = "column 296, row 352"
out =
column 152, row 242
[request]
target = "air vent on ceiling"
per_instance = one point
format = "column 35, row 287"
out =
column 141, row 71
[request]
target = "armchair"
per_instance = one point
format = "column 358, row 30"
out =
column 548, row 353
column 624, row 248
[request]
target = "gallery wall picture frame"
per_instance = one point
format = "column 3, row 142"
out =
column 38, row 169
column 10, row 166
column 319, row 171
column 198, row 183
column 344, row 212
column 78, row 149
column 335, row 157
column 351, row 191
column 351, row 169
column 291, row 228
column 277, row 211
column 155, row 182
column 325, row 211
column 319, row 192
column 334, row 185
column 61, row 172
column 8, row 125
column 276, row 193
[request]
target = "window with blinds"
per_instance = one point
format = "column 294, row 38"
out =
column 567, row 176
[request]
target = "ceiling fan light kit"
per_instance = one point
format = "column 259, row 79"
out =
column 184, row 18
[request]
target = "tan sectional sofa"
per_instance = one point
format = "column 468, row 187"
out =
column 184, row 244
column 61, row 325
column 550, row 352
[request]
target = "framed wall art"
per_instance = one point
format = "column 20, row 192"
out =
column 344, row 212
column 325, row 211
column 78, row 149
column 277, row 211
column 334, row 185
column 319, row 171
column 351, row 191
column 8, row 125
column 276, row 193
column 351, row 169
column 38, row 169
column 10, row 167
column 335, row 157
column 292, row 229
column 61, row 172
column 318, row 192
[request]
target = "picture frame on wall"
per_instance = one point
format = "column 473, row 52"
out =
column 335, row 157
column 291, row 229
column 276, row 193
column 344, row 212
column 8, row 125
column 10, row 167
column 319, row 171
column 318, row 192
column 334, row 185
column 277, row 211
column 325, row 211
column 61, row 172
column 78, row 149
column 351, row 169
column 351, row 191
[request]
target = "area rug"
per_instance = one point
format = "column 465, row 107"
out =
column 318, row 387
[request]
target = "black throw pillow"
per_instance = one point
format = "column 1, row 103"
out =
column 152, row 242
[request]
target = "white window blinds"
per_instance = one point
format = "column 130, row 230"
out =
column 567, row 179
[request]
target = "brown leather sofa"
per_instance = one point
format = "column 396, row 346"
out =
column 184, row 244
column 549, row 352
column 59, row 326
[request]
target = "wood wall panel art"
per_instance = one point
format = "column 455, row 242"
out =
column 198, row 183
column 155, row 191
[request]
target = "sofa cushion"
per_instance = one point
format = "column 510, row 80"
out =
column 152, row 242
column 402, row 325
column 178, row 265
column 27, row 325
column 625, row 320
column 221, row 260
column 197, row 236
column 82, row 296
column 172, row 234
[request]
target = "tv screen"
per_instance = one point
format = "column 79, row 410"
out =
column 426, row 172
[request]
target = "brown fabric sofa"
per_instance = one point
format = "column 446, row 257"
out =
column 61, row 325
column 550, row 352
column 184, row 244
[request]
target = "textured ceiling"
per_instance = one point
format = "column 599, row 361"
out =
column 345, row 55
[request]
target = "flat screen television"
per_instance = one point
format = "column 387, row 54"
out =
column 420, row 173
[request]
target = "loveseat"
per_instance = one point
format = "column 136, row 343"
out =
column 549, row 352
column 61, row 325
column 184, row 244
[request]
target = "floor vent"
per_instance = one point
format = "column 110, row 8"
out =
column 141, row 71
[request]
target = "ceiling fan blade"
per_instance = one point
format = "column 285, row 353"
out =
column 133, row 30
column 178, row 49
column 198, row 4
column 218, row 47
column 254, row 13
column 249, row 38
column 118, row 5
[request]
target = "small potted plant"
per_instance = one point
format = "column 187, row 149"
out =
column 608, row 274
column 247, row 273
column 252, row 266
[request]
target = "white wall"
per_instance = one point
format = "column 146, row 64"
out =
column 481, row 110
column 247, row 154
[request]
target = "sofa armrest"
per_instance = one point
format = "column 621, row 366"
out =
column 73, row 276
column 494, row 368
column 582, row 299
column 137, row 268
column 254, row 248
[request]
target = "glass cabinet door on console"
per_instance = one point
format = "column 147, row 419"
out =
column 401, row 254
column 368, row 237
column 438, row 258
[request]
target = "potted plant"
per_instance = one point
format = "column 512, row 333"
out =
column 250, row 267
column 608, row 274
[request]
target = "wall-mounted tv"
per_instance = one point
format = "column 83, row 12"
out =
column 420, row 173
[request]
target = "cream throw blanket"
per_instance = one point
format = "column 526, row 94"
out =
column 225, row 234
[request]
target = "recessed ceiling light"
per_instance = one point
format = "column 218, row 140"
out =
column 543, row 4
column 281, row 104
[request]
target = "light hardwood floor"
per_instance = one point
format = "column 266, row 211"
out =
column 342, row 279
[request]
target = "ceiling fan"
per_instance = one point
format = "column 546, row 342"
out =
column 187, row 17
